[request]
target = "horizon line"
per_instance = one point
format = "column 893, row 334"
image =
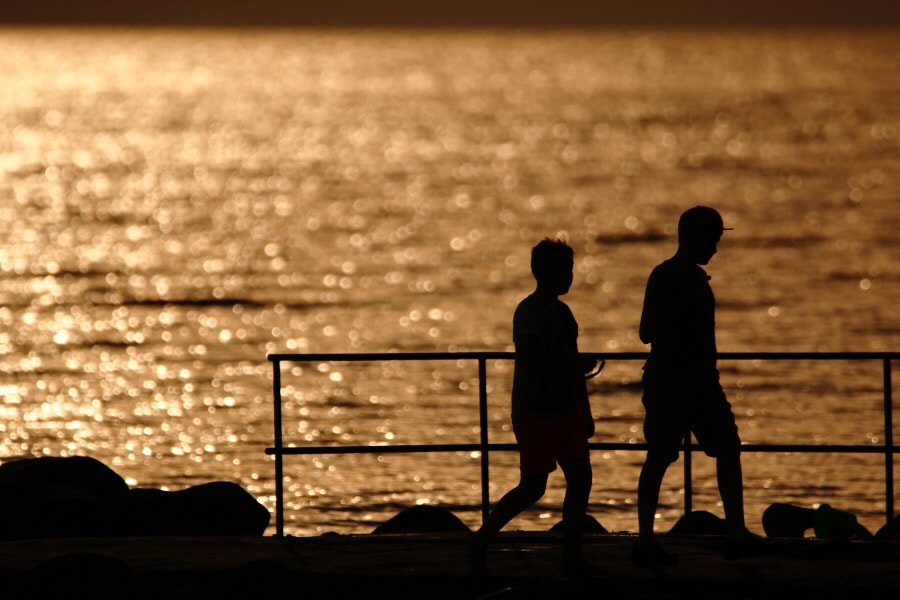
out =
column 468, row 14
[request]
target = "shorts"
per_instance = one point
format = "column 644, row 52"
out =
column 545, row 441
column 673, row 409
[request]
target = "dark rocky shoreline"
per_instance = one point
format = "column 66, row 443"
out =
column 80, row 496
column 71, row 528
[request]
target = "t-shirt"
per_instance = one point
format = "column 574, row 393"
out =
column 685, row 352
column 546, row 390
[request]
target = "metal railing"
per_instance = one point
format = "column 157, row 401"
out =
column 279, row 450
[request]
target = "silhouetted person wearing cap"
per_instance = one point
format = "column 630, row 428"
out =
column 681, row 383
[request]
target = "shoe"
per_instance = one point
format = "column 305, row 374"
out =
column 651, row 554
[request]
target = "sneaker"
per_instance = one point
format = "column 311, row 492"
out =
column 651, row 554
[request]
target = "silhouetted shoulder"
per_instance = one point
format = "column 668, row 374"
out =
column 525, row 319
column 541, row 316
column 671, row 278
column 676, row 270
column 528, row 303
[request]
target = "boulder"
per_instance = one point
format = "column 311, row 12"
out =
column 422, row 519
column 74, row 475
column 80, row 496
column 589, row 525
column 699, row 522
column 57, row 497
column 787, row 520
column 833, row 523
column 209, row 509
column 890, row 531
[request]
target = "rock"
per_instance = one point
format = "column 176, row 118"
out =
column 80, row 496
column 699, row 522
column 787, row 520
column 422, row 519
column 890, row 531
column 833, row 523
column 590, row 525
column 57, row 497
column 216, row 508
column 74, row 474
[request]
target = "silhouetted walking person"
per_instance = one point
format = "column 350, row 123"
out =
column 551, row 413
column 681, row 382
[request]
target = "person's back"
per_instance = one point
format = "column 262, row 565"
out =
column 543, row 388
column 683, row 349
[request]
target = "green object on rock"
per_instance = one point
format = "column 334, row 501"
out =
column 833, row 523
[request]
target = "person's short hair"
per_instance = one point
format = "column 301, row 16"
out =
column 549, row 256
column 700, row 222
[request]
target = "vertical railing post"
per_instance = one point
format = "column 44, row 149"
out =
column 888, row 444
column 688, row 490
column 279, row 457
column 483, row 420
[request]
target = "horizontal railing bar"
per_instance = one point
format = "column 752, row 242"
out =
column 808, row 355
column 366, row 356
column 415, row 448
column 398, row 449
column 373, row 356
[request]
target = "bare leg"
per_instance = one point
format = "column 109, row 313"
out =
column 740, row 542
column 527, row 492
column 578, row 490
column 652, row 474
column 646, row 551
column 731, row 488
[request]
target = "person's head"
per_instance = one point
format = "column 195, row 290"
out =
column 551, row 264
column 699, row 231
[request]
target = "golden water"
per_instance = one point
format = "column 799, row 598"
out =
column 176, row 204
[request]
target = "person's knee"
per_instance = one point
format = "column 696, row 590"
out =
column 578, row 473
column 577, row 467
column 533, row 486
column 728, row 450
column 660, row 459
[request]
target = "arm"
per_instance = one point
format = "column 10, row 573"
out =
column 530, row 353
column 586, row 408
column 587, row 364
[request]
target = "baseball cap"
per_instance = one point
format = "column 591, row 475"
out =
column 700, row 221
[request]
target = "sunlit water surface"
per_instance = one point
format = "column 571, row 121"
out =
column 174, row 205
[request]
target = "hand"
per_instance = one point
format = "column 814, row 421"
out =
column 587, row 363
